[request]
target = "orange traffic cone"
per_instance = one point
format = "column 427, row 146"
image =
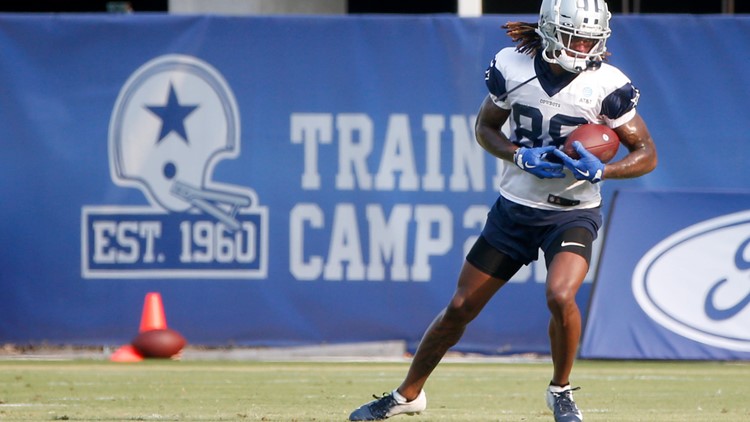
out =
column 153, row 317
column 126, row 353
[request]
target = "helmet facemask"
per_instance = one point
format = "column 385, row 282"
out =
column 561, row 21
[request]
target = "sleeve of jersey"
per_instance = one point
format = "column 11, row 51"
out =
column 619, row 106
column 496, row 84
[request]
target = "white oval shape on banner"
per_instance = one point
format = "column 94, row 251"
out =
column 696, row 282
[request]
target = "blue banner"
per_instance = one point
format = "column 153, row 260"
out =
column 292, row 180
column 672, row 283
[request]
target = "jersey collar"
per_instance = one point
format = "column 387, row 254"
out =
column 551, row 83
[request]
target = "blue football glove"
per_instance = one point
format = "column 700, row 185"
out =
column 588, row 167
column 530, row 159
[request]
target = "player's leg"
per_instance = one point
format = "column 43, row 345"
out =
column 568, row 260
column 565, row 276
column 474, row 289
column 485, row 270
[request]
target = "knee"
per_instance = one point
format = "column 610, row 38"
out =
column 459, row 311
column 559, row 300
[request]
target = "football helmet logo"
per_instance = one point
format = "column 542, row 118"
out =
column 173, row 120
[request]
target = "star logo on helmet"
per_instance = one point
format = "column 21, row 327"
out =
column 172, row 115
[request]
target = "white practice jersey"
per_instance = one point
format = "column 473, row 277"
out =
column 544, row 111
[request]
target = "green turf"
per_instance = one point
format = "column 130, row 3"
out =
column 90, row 390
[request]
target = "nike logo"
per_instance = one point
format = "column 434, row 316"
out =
column 528, row 166
column 564, row 244
column 584, row 173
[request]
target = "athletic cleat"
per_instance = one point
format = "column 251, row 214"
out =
column 560, row 402
column 390, row 404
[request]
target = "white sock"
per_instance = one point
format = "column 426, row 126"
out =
column 557, row 389
column 399, row 398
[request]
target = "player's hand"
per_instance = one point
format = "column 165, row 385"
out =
column 588, row 167
column 530, row 159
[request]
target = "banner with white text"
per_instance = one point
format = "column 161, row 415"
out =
column 288, row 180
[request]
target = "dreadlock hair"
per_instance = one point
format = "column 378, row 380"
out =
column 524, row 33
column 529, row 41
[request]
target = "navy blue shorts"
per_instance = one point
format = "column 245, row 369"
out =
column 520, row 231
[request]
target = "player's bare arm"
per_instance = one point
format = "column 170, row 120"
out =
column 489, row 121
column 641, row 158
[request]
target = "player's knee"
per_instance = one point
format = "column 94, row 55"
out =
column 460, row 311
column 560, row 299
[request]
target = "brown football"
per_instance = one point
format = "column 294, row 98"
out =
column 161, row 343
column 599, row 140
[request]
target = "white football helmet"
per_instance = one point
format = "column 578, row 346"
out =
column 174, row 119
column 561, row 20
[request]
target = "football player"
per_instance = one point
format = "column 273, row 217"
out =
column 555, row 79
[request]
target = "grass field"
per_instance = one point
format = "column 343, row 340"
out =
column 96, row 390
